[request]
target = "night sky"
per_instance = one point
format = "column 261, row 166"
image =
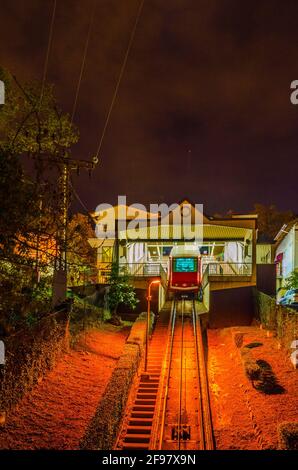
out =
column 204, row 107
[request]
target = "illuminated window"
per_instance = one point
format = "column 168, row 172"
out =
column 107, row 254
column 185, row 265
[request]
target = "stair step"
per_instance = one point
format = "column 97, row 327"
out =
column 146, row 395
column 147, row 390
column 142, row 414
column 144, row 402
column 137, row 445
column 143, row 407
column 138, row 430
column 137, row 438
column 140, row 422
column 149, row 383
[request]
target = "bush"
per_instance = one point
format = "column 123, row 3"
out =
column 288, row 435
column 251, row 368
column 30, row 353
column 86, row 316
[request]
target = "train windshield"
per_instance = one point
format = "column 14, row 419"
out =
column 185, row 265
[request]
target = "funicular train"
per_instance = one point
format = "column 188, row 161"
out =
column 185, row 271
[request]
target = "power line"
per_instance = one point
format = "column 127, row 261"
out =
column 92, row 14
column 120, row 76
column 78, row 197
column 45, row 69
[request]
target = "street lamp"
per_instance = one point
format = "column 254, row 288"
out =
column 156, row 281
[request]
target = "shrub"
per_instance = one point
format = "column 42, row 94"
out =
column 288, row 435
column 251, row 368
column 86, row 316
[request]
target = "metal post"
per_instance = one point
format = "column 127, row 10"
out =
column 157, row 281
column 65, row 202
column 148, row 325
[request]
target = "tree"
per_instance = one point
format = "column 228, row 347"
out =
column 32, row 123
column 35, row 141
column 18, row 207
column 32, row 130
column 80, row 255
column 292, row 281
column 120, row 291
column 270, row 219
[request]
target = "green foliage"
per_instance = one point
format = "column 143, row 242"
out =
column 80, row 256
column 85, row 316
column 29, row 124
column 34, row 134
column 120, row 290
column 292, row 281
column 32, row 129
column 19, row 208
column 22, row 300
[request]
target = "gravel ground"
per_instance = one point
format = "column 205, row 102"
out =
column 246, row 417
column 57, row 411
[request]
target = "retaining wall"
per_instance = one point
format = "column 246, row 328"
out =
column 104, row 427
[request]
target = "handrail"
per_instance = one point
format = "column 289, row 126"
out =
column 200, row 398
column 164, row 384
column 228, row 269
column 159, row 269
column 208, row 441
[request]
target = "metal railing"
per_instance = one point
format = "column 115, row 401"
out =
column 134, row 270
column 141, row 269
column 227, row 269
column 159, row 269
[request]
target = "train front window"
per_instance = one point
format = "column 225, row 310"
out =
column 185, row 265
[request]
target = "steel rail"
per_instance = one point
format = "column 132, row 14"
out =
column 204, row 418
column 155, row 426
column 165, row 395
column 181, row 374
column 208, row 439
column 200, row 414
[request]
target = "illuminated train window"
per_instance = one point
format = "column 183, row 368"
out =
column 185, row 265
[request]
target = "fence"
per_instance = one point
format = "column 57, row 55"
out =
column 277, row 317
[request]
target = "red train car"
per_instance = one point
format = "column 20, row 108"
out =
column 185, row 274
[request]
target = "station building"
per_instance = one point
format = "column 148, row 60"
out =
column 286, row 254
column 228, row 247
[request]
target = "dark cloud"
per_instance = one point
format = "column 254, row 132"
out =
column 203, row 109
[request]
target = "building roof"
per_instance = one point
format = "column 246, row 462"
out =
column 173, row 232
column 285, row 229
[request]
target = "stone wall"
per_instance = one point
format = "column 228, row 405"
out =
column 104, row 427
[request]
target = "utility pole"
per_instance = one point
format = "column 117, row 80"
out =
column 66, row 165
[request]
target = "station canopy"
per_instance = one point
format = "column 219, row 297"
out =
column 173, row 232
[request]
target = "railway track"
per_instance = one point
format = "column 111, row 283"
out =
column 170, row 409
